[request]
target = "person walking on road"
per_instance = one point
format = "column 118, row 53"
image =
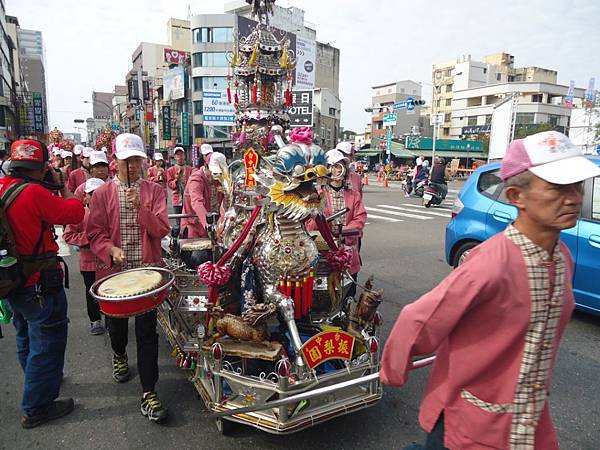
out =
column 495, row 322
column 177, row 178
column 39, row 303
column 127, row 221
column 77, row 235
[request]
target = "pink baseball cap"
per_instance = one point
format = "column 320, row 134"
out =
column 549, row 155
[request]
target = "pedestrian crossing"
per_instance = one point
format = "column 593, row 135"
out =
column 393, row 212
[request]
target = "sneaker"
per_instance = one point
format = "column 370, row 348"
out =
column 120, row 368
column 59, row 408
column 96, row 328
column 152, row 408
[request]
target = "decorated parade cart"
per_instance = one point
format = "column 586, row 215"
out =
column 259, row 312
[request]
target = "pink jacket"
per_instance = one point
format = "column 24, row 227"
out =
column 356, row 181
column 153, row 175
column 356, row 219
column 76, row 235
column 77, row 178
column 196, row 200
column 475, row 321
column 104, row 231
column 172, row 182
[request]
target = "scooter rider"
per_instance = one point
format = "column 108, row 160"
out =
column 437, row 179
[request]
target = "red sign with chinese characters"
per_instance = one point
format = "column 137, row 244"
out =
column 175, row 56
column 328, row 345
column 250, row 162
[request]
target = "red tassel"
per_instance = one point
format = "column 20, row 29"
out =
column 236, row 98
column 305, row 287
column 228, row 94
column 282, row 285
column 288, row 287
column 297, row 300
column 254, row 93
column 311, row 285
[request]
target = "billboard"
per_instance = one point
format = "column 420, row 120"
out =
column 216, row 109
column 306, row 50
column 500, row 135
column 301, row 111
column 174, row 83
column 166, row 121
column 174, row 56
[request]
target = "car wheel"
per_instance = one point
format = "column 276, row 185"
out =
column 463, row 251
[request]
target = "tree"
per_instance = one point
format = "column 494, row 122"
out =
column 523, row 132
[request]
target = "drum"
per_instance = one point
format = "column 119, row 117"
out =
column 195, row 251
column 132, row 292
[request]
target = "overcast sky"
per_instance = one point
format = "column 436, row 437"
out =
column 89, row 44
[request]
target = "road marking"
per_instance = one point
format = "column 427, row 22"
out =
column 394, row 213
column 433, row 213
column 421, row 206
column 373, row 216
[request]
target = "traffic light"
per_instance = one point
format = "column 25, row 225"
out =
column 418, row 102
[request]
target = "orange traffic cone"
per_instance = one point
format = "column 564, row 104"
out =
column 366, row 180
column 385, row 182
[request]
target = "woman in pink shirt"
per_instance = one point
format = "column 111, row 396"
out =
column 76, row 235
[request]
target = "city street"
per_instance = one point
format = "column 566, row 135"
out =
column 404, row 247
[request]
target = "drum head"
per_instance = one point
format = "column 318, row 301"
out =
column 190, row 245
column 128, row 284
column 319, row 241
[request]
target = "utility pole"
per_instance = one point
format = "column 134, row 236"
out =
column 140, row 80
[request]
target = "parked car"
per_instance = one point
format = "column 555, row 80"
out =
column 481, row 210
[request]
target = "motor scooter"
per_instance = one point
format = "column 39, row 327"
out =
column 433, row 195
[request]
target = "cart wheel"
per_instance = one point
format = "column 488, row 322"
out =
column 224, row 426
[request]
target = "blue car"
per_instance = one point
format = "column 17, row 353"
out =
column 481, row 210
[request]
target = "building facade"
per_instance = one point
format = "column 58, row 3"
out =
column 538, row 102
column 326, row 115
column 465, row 73
column 384, row 97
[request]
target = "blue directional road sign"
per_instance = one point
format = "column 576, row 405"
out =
column 400, row 105
column 410, row 105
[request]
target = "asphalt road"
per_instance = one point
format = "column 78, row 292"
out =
column 403, row 247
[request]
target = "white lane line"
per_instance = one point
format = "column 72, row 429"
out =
column 456, row 191
column 443, row 208
column 373, row 216
column 427, row 211
column 367, row 223
column 394, row 213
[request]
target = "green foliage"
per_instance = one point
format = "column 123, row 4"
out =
column 521, row 133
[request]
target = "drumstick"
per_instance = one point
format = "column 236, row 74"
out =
column 128, row 181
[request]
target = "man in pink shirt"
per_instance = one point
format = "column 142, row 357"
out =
column 354, row 178
column 157, row 172
column 495, row 323
column 177, row 178
column 128, row 219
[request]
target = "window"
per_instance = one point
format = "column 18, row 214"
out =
column 214, row 83
column 472, row 121
column 449, row 72
column 511, row 78
column 446, row 131
column 198, row 131
column 332, row 111
column 488, row 119
column 449, row 88
column 211, row 132
column 218, row 35
column 498, row 76
column 553, row 119
column 197, row 84
column 485, row 70
column 2, row 117
column 596, row 200
column 525, row 118
column 210, row 59
column 437, row 103
column 447, row 117
column 490, row 184
column 198, row 107
column 537, row 98
column 448, row 102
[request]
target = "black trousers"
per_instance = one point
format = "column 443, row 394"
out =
column 177, row 227
column 93, row 309
column 147, row 345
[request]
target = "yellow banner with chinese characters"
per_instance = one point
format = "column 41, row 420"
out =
column 327, row 345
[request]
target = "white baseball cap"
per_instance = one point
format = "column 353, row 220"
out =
column 128, row 145
column 78, row 149
column 158, row 157
column 97, row 158
column 335, row 156
column 345, row 147
column 549, row 155
column 56, row 151
column 178, row 149
column 92, row 184
column 206, row 149
column 66, row 154
column 217, row 164
column 87, row 152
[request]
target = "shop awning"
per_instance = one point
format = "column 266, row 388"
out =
column 452, row 154
column 398, row 149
